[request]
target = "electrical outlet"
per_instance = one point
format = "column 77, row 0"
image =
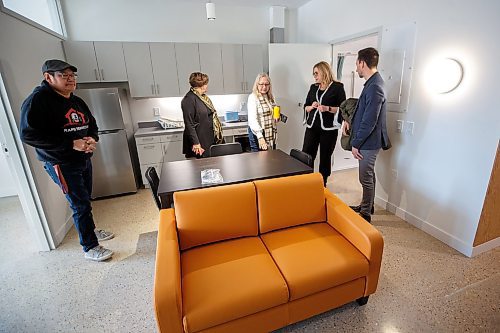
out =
column 410, row 125
column 156, row 111
column 399, row 126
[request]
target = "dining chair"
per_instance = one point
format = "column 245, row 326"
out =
column 225, row 149
column 153, row 181
column 302, row 156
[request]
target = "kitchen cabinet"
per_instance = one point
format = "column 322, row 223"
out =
column 232, row 65
column 252, row 65
column 188, row 61
column 241, row 64
column 163, row 60
column 97, row 61
column 153, row 150
column 151, row 69
column 211, row 64
column 139, row 70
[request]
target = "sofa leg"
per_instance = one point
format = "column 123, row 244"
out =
column 363, row 300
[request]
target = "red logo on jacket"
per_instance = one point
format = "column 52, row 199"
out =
column 75, row 118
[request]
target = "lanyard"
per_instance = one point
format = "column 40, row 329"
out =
column 319, row 99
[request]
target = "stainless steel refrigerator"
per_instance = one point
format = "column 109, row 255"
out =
column 111, row 164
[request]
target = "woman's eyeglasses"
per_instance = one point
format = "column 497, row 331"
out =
column 264, row 84
column 315, row 73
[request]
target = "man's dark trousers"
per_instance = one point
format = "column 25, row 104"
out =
column 78, row 177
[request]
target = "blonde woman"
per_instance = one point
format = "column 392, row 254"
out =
column 321, row 117
column 261, row 125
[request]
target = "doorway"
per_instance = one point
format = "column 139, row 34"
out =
column 17, row 163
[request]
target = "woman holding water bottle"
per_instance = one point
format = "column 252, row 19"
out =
column 321, row 117
column 263, row 114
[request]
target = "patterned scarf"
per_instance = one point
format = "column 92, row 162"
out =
column 266, row 120
column 217, row 125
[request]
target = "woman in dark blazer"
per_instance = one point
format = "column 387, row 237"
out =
column 202, row 126
column 321, row 117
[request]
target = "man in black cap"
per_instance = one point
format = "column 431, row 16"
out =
column 64, row 133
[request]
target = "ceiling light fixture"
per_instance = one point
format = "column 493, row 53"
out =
column 210, row 11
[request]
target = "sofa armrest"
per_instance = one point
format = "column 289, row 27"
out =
column 366, row 238
column 167, row 281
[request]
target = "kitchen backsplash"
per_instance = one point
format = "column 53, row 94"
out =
column 170, row 107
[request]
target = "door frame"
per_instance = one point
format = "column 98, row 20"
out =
column 20, row 170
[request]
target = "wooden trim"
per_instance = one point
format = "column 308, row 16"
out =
column 489, row 222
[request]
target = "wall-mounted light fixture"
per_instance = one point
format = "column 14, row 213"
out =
column 445, row 75
column 210, row 11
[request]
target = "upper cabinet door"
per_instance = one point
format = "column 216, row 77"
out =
column 252, row 65
column 82, row 56
column 164, row 69
column 211, row 64
column 188, row 61
column 139, row 71
column 111, row 61
column 232, row 66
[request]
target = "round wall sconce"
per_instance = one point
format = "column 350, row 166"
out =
column 446, row 75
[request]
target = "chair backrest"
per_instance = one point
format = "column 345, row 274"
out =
column 153, row 181
column 225, row 149
column 303, row 157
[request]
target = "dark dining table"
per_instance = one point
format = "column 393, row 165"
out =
column 238, row 168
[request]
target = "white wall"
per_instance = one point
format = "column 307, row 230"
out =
column 7, row 184
column 444, row 168
column 22, row 53
column 164, row 21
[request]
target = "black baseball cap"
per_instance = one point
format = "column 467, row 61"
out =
column 55, row 65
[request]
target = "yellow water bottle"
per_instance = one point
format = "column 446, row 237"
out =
column 276, row 112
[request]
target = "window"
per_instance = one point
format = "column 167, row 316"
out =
column 44, row 14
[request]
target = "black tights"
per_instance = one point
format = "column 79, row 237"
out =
column 326, row 141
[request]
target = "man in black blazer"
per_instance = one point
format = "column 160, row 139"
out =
column 369, row 131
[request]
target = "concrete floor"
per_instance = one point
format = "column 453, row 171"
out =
column 425, row 286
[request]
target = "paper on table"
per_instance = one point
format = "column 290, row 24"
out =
column 211, row 176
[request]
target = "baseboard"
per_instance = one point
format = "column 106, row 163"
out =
column 8, row 191
column 63, row 230
column 426, row 227
column 489, row 245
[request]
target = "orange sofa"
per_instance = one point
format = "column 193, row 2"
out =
column 257, row 256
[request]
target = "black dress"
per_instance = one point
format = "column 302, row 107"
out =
column 316, row 135
column 199, row 126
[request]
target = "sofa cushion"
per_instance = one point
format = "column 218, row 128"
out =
column 216, row 213
column 229, row 280
column 290, row 201
column 314, row 257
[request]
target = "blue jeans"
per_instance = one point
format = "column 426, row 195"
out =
column 78, row 176
column 252, row 139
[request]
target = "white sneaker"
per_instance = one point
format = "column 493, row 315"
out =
column 103, row 235
column 98, row 253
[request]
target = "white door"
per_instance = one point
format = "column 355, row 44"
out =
column 290, row 69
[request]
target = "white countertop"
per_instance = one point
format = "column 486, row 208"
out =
column 149, row 131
